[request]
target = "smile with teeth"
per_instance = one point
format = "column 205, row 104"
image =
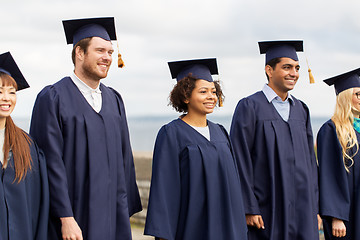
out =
column 209, row 104
column 103, row 65
column 5, row 107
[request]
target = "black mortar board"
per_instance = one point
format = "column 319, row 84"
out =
column 198, row 68
column 78, row 29
column 277, row 49
column 345, row 81
column 9, row 66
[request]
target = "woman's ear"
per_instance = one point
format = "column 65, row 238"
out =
column 186, row 101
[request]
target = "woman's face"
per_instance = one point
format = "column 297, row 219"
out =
column 7, row 100
column 203, row 98
column 356, row 98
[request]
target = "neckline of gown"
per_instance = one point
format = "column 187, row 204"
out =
column 193, row 129
column 84, row 99
column 276, row 112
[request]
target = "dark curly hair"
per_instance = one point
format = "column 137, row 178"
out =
column 183, row 89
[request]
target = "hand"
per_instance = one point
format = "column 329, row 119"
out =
column 319, row 221
column 255, row 221
column 70, row 229
column 338, row 228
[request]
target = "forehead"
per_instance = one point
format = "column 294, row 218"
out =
column 200, row 83
column 285, row 60
column 97, row 42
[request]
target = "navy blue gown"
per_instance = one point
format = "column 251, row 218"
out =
column 89, row 159
column 278, row 168
column 195, row 187
column 24, row 206
column 339, row 190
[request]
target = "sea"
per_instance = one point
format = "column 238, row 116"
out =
column 143, row 129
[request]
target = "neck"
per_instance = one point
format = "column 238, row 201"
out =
column 2, row 122
column 283, row 95
column 88, row 81
column 195, row 120
column 355, row 113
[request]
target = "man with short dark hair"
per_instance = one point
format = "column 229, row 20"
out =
column 272, row 138
column 81, row 126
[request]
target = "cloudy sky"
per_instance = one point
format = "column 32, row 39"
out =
column 153, row 32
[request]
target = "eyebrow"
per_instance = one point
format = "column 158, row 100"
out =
column 2, row 87
column 290, row 65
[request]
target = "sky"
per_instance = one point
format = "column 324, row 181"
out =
column 153, row 32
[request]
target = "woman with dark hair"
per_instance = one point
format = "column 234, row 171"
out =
column 339, row 156
column 195, row 187
column 24, row 196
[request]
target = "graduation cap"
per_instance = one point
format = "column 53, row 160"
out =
column 198, row 68
column 284, row 48
column 345, row 81
column 9, row 66
column 78, row 29
column 278, row 49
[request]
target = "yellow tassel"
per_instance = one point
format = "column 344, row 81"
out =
column 311, row 77
column 220, row 102
column 120, row 61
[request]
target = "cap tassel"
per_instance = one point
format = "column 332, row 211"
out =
column 120, row 61
column 220, row 102
column 311, row 77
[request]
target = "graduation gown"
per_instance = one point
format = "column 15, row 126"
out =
column 339, row 190
column 278, row 168
column 195, row 188
column 24, row 206
column 89, row 159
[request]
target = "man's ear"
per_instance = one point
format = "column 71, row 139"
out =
column 79, row 53
column 269, row 70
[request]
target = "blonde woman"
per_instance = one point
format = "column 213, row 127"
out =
column 339, row 167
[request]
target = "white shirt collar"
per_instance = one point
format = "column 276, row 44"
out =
column 270, row 94
column 83, row 87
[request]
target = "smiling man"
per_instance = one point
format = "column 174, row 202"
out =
column 81, row 126
column 273, row 142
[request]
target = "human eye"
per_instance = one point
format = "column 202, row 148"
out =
column 286, row 67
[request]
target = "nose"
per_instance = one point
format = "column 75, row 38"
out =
column 107, row 57
column 211, row 95
column 6, row 96
column 294, row 72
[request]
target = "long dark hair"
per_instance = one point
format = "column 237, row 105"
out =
column 16, row 140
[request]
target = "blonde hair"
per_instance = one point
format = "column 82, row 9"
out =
column 343, row 119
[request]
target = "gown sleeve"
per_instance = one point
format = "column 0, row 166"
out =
column 314, row 163
column 333, row 181
column 164, row 201
column 42, row 225
column 45, row 128
column 133, row 197
column 242, row 135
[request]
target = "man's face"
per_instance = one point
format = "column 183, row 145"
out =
column 97, row 59
column 284, row 76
